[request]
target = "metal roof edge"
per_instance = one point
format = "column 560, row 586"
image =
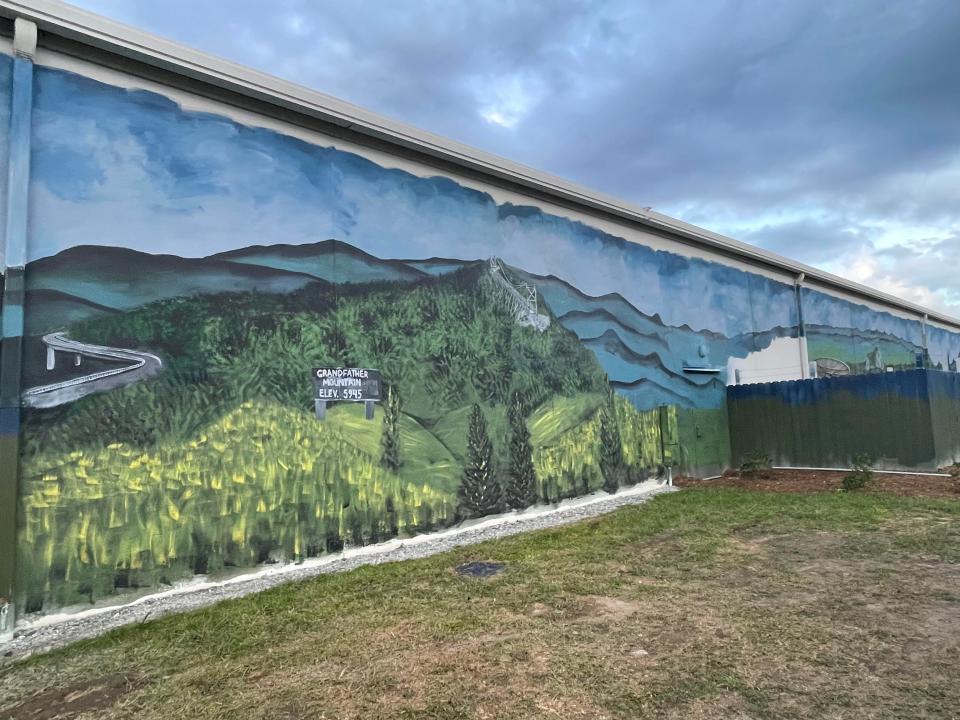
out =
column 64, row 20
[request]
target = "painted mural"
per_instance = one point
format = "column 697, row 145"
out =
column 187, row 271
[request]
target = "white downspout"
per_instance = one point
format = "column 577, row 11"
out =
column 801, row 328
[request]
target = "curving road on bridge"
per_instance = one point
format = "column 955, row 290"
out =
column 137, row 366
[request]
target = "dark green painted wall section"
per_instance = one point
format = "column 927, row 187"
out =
column 905, row 420
column 704, row 440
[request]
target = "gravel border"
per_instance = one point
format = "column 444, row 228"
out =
column 53, row 632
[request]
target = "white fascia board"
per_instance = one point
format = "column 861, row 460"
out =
column 63, row 20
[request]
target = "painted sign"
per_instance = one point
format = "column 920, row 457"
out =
column 351, row 384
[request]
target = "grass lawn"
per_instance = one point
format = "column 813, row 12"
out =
column 707, row 603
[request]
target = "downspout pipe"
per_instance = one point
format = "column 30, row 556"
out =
column 12, row 329
column 923, row 330
column 801, row 327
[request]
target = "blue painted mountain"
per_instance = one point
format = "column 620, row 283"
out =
column 641, row 337
column 591, row 317
column 122, row 279
column 569, row 303
column 594, row 323
column 645, row 393
column 563, row 298
column 595, row 320
column 436, row 265
column 623, row 362
column 647, row 379
column 330, row 260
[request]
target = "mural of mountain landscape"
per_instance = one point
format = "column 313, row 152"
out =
column 186, row 273
column 217, row 460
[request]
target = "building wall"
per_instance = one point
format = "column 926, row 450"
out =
column 225, row 254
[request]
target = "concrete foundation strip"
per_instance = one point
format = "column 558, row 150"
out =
column 876, row 472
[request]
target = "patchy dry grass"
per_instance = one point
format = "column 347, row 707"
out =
column 702, row 604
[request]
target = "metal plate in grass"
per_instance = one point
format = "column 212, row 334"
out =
column 479, row 569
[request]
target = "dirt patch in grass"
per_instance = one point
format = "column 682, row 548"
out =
column 610, row 608
column 69, row 702
column 805, row 481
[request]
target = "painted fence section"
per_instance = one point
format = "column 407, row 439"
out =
column 905, row 420
column 944, row 391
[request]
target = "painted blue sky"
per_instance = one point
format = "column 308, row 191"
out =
column 825, row 131
column 131, row 168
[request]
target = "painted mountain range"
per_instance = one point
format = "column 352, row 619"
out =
column 162, row 193
column 330, row 260
column 645, row 359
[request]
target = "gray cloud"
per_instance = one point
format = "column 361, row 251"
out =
column 837, row 117
column 933, row 264
column 813, row 241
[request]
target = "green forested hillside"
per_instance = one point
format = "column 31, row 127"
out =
column 220, row 460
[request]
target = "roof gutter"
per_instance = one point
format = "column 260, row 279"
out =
column 65, row 21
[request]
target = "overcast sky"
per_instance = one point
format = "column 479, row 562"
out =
column 825, row 131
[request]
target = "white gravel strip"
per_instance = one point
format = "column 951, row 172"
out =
column 49, row 632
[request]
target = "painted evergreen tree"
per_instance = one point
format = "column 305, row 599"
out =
column 611, row 451
column 520, row 490
column 480, row 493
column 390, row 441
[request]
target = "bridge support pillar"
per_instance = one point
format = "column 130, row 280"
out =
column 51, row 358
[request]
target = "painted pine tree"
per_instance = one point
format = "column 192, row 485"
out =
column 611, row 450
column 520, row 489
column 480, row 493
column 390, row 441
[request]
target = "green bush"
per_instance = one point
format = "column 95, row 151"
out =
column 755, row 463
column 861, row 475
